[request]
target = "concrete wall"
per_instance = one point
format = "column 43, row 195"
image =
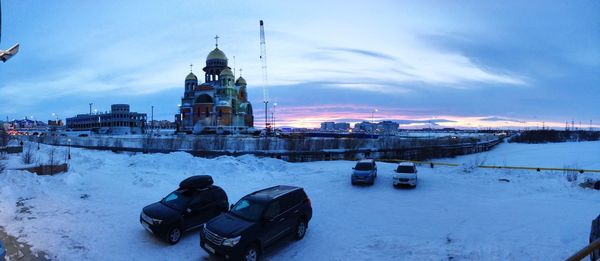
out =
column 291, row 149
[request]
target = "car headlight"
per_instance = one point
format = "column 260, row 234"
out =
column 156, row 221
column 232, row 241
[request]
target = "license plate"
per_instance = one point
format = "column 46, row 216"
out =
column 147, row 227
column 210, row 249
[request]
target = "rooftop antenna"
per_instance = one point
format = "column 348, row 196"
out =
column 234, row 67
column 5, row 55
column 263, row 60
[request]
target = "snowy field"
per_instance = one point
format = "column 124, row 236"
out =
column 455, row 213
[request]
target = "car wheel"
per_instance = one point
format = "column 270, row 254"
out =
column 301, row 229
column 174, row 235
column 251, row 253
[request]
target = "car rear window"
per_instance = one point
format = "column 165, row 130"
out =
column 405, row 169
column 363, row 166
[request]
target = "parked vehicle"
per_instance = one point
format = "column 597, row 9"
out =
column 406, row 174
column 365, row 172
column 256, row 221
column 595, row 235
column 2, row 251
column 196, row 201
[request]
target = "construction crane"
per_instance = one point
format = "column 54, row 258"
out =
column 263, row 60
column 5, row 55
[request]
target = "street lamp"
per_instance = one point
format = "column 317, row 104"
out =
column 373, row 115
column 68, row 148
column 273, row 114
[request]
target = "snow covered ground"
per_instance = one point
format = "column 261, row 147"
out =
column 458, row 213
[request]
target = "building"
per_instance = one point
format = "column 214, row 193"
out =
column 387, row 127
column 384, row 127
column 335, row 126
column 219, row 104
column 55, row 123
column 342, row 126
column 327, row 126
column 119, row 121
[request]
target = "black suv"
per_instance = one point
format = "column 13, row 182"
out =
column 257, row 221
column 195, row 202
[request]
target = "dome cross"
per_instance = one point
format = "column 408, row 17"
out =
column 217, row 41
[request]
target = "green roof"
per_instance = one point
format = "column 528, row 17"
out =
column 216, row 54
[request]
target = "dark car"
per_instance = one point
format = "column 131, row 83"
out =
column 595, row 235
column 191, row 205
column 2, row 251
column 257, row 221
column 365, row 172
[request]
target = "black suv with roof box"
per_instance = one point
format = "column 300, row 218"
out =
column 257, row 221
column 191, row 205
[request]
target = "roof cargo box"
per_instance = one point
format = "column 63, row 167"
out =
column 196, row 182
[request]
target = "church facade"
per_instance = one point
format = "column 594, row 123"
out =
column 217, row 105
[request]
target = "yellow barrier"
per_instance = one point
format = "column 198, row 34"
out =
column 493, row 167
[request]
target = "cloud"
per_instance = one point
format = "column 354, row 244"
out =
column 494, row 118
column 367, row 53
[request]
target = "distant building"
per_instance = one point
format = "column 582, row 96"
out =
column 119, row 121
column 387, row 127
column 333, row 126
column 342, row 126
column 327, row 126
column 26, row 124
column 384, row 127
column 364, row 126
column 55, row 123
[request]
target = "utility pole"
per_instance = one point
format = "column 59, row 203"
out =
column 152, row 121
column 263, row 59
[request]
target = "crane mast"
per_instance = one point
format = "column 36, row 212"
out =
column 263, row 60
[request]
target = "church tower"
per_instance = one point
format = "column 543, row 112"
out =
column 216, row 61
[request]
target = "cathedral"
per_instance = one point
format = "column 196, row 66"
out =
column 218, row 105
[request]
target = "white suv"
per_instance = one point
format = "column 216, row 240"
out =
column 406, row 174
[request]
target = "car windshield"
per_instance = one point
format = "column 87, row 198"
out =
column 363, row 166
column 248, row 209
column 405, row 169
column 177, row 199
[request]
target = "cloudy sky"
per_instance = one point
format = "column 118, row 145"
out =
column 456, row 63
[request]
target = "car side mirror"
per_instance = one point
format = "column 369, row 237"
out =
column 353, row 168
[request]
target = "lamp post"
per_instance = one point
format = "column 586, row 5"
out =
column 180, row 124
column 373, row 120
column 152, row 121
column 69, row 149
column 273, row 114
column 373, row 115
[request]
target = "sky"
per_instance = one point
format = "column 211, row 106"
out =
column 466, row 64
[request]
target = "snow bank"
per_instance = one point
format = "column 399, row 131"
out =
column 92, row 211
